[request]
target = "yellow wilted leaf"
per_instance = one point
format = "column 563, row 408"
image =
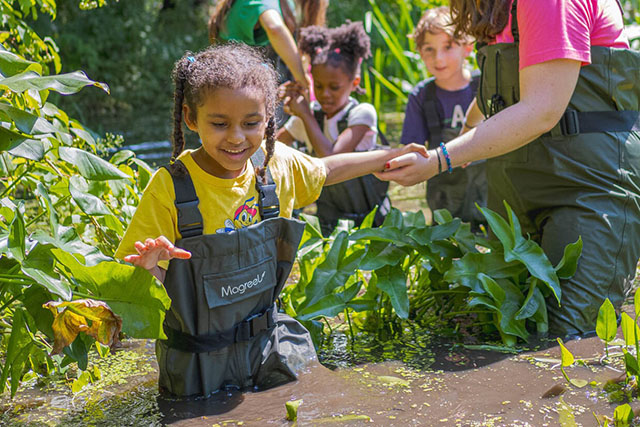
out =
column 95, row 318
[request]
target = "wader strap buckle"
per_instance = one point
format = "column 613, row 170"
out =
column 270, row 205
column 569, row 123
column 189, row 218
column 254, row 324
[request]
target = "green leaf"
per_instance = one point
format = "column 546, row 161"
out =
column 382, row 234
column 32, row 149
column 52, row 284
column 379, row 254
column 630, row 329
column 45, row 200
column 331, row 305
column 132, row 293
column 631, row 363
column 292, row 409
column 442, row 216
column 567, row 357
column 531, row 304
column 10, row 139
column 623, row 415
column 568, row 265
column 367, row 222
column 466, row 270
column 26, row 122
column 65, row 84
column 17, row 236
column 11, row 64
column 91, row 166
column 333, row 272
column 606, row 325
column 17, row 353
column 90, row 204
column 636, row 302
column 492, row 288
column 578, row 382
column 426, row 235
column 393, row 282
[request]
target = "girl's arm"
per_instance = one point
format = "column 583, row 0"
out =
column 282, row 42
column 346, row 142
column 344, row 166
column 154, row 250
column 545, row 91
column 284, row 136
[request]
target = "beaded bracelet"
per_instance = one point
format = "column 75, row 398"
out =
column 439, row 162
column 445, row 153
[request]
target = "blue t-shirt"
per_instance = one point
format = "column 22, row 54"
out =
column 452, row 106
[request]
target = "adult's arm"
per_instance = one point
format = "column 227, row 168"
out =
column 545, row 91
column 282, row 42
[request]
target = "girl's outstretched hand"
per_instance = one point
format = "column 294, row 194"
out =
column 294, row 99
column 154, row 250
column 412, row 165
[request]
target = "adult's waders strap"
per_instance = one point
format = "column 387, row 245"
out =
column 574, row 122
column 243, row 331
column 189, row 218
column 269, row 204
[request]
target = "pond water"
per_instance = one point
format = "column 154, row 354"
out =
column 429, row 383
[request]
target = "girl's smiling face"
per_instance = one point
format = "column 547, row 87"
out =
column 332, row 87
column 231, row 124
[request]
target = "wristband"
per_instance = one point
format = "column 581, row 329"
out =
column 439, row 161
column 445, row 153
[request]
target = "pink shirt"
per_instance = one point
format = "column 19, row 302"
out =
column 565, row 29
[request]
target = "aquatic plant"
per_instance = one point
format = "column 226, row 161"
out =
column 63, row 210
column 406, row 271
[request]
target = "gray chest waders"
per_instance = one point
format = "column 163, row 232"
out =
column 223, row 327
column 580, row 179
column 458, row 191
column 352, row 199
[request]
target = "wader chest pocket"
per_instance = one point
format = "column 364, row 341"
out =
column 233, row 286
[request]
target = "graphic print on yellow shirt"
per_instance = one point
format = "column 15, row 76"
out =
column 244, row 216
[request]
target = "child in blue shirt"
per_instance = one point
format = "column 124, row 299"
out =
column 435, row 113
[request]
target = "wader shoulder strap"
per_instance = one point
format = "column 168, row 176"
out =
column 514, row 22
column 269, row 204
column 189, row 218
column 343, row 123
column 434, row 121
column 242, row 331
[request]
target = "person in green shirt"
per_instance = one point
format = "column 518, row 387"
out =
column 267, row 23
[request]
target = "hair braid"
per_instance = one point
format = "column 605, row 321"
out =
column 270, row 136
column 178, row 99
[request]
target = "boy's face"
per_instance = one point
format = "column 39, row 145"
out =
column 443, row 56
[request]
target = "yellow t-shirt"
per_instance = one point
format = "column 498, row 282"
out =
column 225, row 204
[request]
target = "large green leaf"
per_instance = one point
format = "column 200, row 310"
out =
column 132, row 293
column 492, row 288
column 26, row 122
column 90, row 204
column 32, row 149
column 65, row 84
column 333, row 272
column 630, row 329
column 379, row 254
column 10, row 139
column 331, row 305
column 17, row 235
column 11, row 64
column 393, row 282
column 606, row 325
column 465, row 270
column 382, row 234
column 426, row 235
column 17, row 355
column 91, row 166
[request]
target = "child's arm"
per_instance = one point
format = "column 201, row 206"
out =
column 472, row 118
column 284, row 136
column 282, row 42
column 344, row 166
column 346, row 142
column 154, row 250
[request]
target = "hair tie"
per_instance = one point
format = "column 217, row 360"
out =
column 336, row 50
column 191, row 59
column 318, row 50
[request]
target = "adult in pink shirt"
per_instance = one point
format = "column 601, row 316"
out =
column 557, row 117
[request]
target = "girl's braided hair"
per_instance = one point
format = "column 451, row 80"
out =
column 232, row 66
column 345, row 46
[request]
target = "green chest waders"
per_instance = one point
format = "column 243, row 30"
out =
column 352, row 199
column 223, row 327
column 580, row 179
column 458, row 191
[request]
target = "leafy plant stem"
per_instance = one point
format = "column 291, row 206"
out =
column 566, row 377
column 328, row 325
column 58, row 203
column 14, row 183
column 6, row 304
column 353, row 337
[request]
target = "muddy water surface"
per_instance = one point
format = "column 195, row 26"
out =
column 451, row 387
